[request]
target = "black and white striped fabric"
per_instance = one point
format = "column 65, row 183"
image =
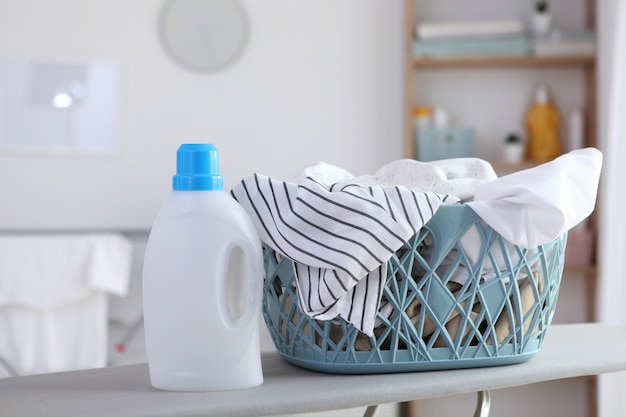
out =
column 339, row 237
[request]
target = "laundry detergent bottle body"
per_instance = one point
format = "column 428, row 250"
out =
column 202, row 282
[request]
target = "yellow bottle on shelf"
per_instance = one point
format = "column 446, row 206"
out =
column 543, row 122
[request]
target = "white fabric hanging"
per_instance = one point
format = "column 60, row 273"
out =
column 53, row 298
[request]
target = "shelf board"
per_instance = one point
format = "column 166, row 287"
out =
column 512, row 61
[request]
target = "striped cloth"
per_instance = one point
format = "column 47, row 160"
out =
column 339, row 236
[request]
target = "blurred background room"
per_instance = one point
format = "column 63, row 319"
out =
column 96, row 96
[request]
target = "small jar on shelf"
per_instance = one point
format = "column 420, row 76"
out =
column 513, row 149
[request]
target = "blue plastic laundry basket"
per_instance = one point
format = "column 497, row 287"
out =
column 498, row 316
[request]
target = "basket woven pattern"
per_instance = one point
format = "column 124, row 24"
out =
column 497, row 315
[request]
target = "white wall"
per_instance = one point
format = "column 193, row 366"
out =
column 319, row 80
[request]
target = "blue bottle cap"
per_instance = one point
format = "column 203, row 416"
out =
column 197, row 168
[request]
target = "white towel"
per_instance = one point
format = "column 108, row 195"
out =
column 457, row 176
column 460, row 29
column 339, row 236
column 535, row 206
column 53, row 311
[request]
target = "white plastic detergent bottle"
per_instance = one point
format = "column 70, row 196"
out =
column 202, row 283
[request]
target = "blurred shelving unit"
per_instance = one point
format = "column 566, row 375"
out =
column 584, row 61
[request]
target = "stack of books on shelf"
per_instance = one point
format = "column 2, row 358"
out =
column 480, row 38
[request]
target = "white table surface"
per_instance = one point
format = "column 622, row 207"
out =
column 125, row 391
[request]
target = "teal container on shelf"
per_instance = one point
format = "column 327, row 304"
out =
column 432, row 144
column 498, row 316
